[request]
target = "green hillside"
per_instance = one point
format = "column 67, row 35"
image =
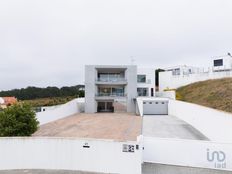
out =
column 216, row 94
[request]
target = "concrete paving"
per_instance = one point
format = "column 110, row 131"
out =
column 115, row 126
column 166, row 126
column 149, row 168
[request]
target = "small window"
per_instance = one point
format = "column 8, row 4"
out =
column 141, row 78
column 218, row 62
column 142, row 91
column 157, row 103
column 150, row 103
column 163, row 103
column 176, row 71
column 144, row 103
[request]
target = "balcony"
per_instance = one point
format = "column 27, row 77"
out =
column 111, row 80
column 109, row 95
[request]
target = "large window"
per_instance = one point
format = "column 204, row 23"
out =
column 141, row 78
column 218, row 62
column 110, row 77
column 111, row 91
column 142, row 91
column 176, row 71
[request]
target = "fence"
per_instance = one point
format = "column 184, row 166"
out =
column 70, row 154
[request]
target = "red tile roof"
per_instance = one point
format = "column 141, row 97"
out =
column 9, row 100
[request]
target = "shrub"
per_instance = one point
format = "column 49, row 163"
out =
column 18, row 120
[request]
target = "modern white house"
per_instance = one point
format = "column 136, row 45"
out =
column 177, row 76
column 114, row 88
column 222, row 63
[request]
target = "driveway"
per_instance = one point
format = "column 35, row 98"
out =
column 167, row 126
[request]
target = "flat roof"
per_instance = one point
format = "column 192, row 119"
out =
column 114, row 126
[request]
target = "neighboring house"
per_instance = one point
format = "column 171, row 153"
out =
column 222, row 63
column 7, row 101
column 115, row 88
column 183, row 70
column 178, row 76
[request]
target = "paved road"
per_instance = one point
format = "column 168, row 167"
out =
column 166, row 126
column 149, row 168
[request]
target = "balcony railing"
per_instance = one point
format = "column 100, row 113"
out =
column 111, row 95
column 111, row 79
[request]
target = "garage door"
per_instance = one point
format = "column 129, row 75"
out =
column 155, row 107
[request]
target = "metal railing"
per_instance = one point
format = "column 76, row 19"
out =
column 110, row 79
column 111, row 95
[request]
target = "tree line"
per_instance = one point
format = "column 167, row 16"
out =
column 31, row 92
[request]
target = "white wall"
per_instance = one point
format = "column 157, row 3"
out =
column 214, row 124
column 48, row 108
column 72, row 107
column 167, row 80
column 68, row 154
column 166, row 94
column 187, row 153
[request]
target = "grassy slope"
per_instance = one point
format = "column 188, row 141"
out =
column 211, row 93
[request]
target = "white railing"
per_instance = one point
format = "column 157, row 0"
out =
column 111, row 95
column 110, row 79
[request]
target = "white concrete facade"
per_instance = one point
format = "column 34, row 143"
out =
column 114, row 88
column 222, row 63
column 149, row 83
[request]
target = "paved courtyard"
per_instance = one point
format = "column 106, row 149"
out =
column 116, row 126
column 166, row 126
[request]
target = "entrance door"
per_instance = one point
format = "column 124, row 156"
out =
column 105, row 107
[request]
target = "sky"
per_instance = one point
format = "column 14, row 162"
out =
column 48, row 42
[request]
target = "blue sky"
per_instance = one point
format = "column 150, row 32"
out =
column 48, row 42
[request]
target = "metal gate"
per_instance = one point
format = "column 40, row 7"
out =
column 157, row 107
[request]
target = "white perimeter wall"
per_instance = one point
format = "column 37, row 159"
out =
column 167, row 80
column 68, row 154
column 166, row 94
column 191, row 153
column 214, row 124
column 72, row 107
